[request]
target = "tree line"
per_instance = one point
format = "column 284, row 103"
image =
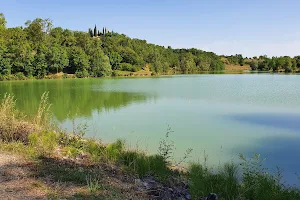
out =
column 276, row 64
column 264, row 63
column 39, row 49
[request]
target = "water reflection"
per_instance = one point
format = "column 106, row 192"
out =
column 282, row 120
column 69, row 98
column 279, row 151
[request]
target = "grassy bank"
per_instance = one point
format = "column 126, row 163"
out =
column 70, row 166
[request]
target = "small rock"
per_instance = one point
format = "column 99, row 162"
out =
column 137, row 181
column 188, row 196
column 212, row 196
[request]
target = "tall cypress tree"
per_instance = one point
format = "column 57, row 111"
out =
column 99, row 33
column 103, row 31
column 95, row 31
column 91, row 32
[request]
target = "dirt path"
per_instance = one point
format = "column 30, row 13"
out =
column 16, row 182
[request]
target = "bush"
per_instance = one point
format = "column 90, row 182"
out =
column 12, row 128
column 94, row 148
column 71, row 151
column 114, row 150
column 82, row 74
column 127, row 67
column 44, row 143
column 158, row 167
column 4, row 77
column 18, row 147
column 143, row 165
column 203, row 181
column 117, row 73
column 257, row 180
column 20, row 76
column 65, row 75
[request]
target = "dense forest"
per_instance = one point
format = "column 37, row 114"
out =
column 39, row 49
column 263, row 63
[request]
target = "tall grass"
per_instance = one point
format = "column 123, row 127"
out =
column 43, row 116
column 13, row 127
column 256, row 182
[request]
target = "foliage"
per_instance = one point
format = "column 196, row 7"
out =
column 166, row 146
column 114, row 150
column 40, row 49
column 92, row 183
column 204, row 181
column 127, row 67
column 12, row 124
column 100, row 65
column 256, row 182
column 275, row 64
column 44, row 142
column 236, row 59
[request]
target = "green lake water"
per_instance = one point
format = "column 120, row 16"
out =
column 221, row 115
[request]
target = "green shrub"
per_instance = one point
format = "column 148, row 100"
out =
column 93, row 184
column 257, row 180
column 4, row 77
column 94, row 148
column 44, row 143
column 82, row 74
column 71, row 151
column 117, row 73
column 136, row 162
column 12, row 127
column 158, row 167
column 203, row 181
column 143, row 165
column 114, row 150
column 19, row 148
column 65, row 75
column 20, row 76
column 127, row 67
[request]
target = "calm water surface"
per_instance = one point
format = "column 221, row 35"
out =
column 221, row 115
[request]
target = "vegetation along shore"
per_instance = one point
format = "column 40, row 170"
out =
column 39, row 50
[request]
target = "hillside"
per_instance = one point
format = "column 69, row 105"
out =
column 39, row 50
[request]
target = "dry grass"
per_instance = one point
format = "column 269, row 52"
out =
column 230, row 67
column 12, row 125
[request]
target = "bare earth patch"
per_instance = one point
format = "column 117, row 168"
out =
column 21, row 178
column 16, row 181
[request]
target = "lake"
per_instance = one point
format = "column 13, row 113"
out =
column 215, row 115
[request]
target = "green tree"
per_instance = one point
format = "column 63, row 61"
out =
column 37, row 30
column 287, row 66
column 68, row 38
column 57, row 59
column 115, row 60
column 40, row 66
column 100, row 65
column 78, row 62
column 130, row 56
column 95, row 31
column 297, row 60
column 187, row 63
column 2, row 20
column 90, row 32
column 254, row 65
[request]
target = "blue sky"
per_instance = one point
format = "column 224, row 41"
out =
column 250, row 27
